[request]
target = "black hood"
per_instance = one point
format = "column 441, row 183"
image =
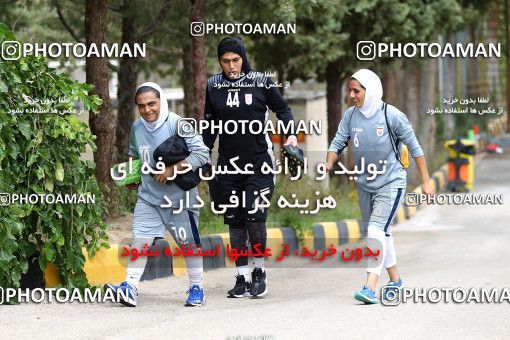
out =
column 234, row 45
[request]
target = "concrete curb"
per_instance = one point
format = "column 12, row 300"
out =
column 108, row 266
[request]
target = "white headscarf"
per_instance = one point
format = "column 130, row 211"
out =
column 163, row 108
column 373, row 95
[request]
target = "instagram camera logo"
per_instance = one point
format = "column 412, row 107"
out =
column 411, row 199
column 391, row 295
column 11, row 50
column 5, row 199
column 365, row 50
column 186, row 127
column 197, row 28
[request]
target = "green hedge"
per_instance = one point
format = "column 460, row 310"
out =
column 40, row 154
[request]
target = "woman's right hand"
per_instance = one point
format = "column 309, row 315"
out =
column 329, row 166
column 331, row 158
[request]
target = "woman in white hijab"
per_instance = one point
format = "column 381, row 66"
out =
column 372, row 101
column 152, row 215
column 378, row 131
column 157, row 113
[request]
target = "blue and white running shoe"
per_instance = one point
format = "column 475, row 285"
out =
column 366, row 295
column 126, row 293
column 389, row 291
column 196, row 296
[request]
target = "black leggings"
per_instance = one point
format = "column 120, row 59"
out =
column 239, row 234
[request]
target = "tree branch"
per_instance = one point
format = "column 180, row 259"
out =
column 66, row 25
column 75, row 36
column 162, row 50
column 113, row 67
column 154, row 25
column 116, row 9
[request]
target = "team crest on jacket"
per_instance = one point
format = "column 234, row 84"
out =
column 379, row 130
column 248, row 99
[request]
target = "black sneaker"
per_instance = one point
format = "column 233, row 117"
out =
column 258, row 283
column 241, row 289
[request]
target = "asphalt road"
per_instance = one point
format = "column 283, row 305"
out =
column 442, row 246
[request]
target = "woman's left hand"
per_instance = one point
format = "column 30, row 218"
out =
column 427, row 188
column 162, row 178
column 292, row 140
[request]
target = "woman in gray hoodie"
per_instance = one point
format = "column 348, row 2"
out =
column 378, row 131
column 150, row 219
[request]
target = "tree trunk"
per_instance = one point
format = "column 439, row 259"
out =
column 507, row 53
column 128, row 70
column 389, row 87
column 187, row 80
column 104, row 122
column 392, row 84
column 128, row 74
column 198, row 60
column 427, row 130
column 333, row 97
column 281, row 80
column 449, row 83
column 409, row 86
column 475, row 82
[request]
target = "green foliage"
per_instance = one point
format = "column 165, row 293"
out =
column 321, row 32
column 40, row 154
column 127, row 200
column 328, row 30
